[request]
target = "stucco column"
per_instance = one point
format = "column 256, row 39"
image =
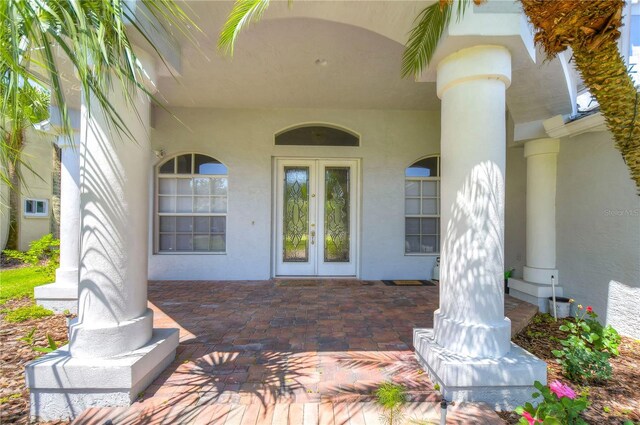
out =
column 541, row 157
column 469, row 352
column 63, row 293
column 472, row 85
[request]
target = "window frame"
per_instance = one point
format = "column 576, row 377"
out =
column 421, row 197
column 175, row 175
column 36, row 214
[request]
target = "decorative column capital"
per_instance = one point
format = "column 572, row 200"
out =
column 474, row 63
column 541, row 147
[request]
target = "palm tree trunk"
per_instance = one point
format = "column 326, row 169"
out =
column 605, row 74
column 13, row 172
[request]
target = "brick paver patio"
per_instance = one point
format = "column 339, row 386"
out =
column 262, row 353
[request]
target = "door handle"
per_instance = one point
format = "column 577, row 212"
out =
column 313, row 237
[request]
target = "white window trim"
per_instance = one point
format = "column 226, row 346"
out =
column 158, row 214
column 438, row 216
column 44, row 214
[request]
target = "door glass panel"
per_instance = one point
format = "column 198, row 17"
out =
column 296, row 215
column 336, row 215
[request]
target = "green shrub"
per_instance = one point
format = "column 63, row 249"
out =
column 25, row 313
column 391, row 397
column 44, row 253
column 586, row 352
column 560, row 405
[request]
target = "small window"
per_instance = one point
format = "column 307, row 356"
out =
column 316, row 135
column 36, row 208
column 422, row 206
column 192, row 205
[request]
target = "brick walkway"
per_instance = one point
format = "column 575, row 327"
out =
column 262, row 353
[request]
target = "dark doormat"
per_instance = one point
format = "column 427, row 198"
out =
column 408, row 283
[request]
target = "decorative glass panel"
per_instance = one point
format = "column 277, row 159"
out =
column 296, row 215
column 336, row 215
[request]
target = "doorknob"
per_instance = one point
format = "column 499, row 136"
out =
column 313, row 237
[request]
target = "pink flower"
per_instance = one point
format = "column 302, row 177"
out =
column 562, row 390
column 589, row 309
column 530, row 418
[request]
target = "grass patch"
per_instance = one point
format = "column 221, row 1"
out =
column 21, row 314
column 18, row 283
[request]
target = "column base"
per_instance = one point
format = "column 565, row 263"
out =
column 61, row 386
column 538, row 275
column 534, row 293
column 62, row 294
column 503, row 383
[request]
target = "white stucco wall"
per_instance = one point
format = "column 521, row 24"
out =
column 243, row 140
column 598, row 230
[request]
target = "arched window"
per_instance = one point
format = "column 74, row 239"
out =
column 191, row 205
column 316, row 135
column 422, row 206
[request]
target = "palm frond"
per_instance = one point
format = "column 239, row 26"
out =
column 243, row 13
column 426, row 34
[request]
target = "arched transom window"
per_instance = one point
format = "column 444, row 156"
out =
column 422, row 206
column 191, row 205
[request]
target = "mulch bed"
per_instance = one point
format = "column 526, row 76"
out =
column 14, row 354
column 613, row 402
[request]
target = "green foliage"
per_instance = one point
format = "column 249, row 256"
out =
column 22, row 314
column 19, row 283
column 243, row 13
column 553, row 409
column 43, row 253
column 586, row 351
column 29, row 339
column 391, row 397
column 10, row 397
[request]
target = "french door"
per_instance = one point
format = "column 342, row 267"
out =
column 316, row 217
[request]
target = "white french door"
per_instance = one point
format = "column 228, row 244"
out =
column 316, row 217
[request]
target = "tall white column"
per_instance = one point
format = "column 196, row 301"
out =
column 63, row 293
column 542, row 155
column 469, row 352
column 113, row 352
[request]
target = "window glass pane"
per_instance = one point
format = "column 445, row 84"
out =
column 167, row 186
column 218, row 224
column 207, row 165
column 219, row 204
column 184, row 164
column 218, row 243
column 201, row 242
column 219, row 186
column 317, row 135
column 429, row 188
column 184, row 186
column 412, row 206
column 412, row 244
column 201, row 186
column 40, row 207
column 427, row 167
column 185, row 204
column 201, row 204
column 167, row 224
column 412, row 226
column 429, row 244
column 430, row 206
column 412, row 188
column 201, row 225
column 166, row 204
column 28, row 207
column 167, row 242
column 184, row 242
column 168, row 167
column 429, row 226
column 184, row 224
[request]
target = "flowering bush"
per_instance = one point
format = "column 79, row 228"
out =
column 560, row 405
column 585, row 353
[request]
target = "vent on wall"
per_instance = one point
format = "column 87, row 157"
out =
column 316, row 135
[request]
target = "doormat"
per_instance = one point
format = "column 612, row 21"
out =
column 408, row 283
column 298, row 283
